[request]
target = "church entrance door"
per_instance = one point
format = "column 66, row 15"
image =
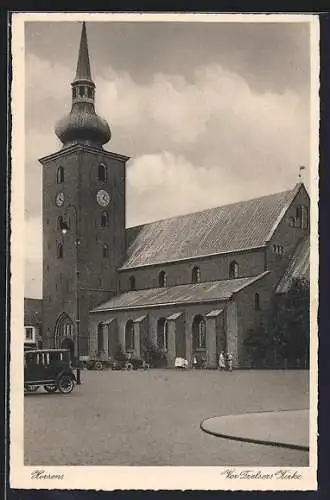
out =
column 68, row 344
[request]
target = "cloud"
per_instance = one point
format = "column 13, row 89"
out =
column 206, row 142
column 33, row 260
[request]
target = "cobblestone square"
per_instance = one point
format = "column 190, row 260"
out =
column 152, row 418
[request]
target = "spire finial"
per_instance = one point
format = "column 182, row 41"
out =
column 83, row 67
column 301, row 169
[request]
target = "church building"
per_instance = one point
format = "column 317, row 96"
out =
column 192, row 285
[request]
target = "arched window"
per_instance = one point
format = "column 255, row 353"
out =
column 60, row 175
column 102, row 173
column 162, row 279
column 196, row 275
column 104, row 219
column 257, row 301
column 100, row 338
column 162, row 334
column 129, row 336
column 59, row 222
column 233, row 270
column 105, row 251
column 59, row 250
column 199, row 333
column 132, row 283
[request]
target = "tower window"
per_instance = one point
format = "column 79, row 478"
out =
column 257, row 301
column 59, row 250
column 105, row 251
column 59, row 222
column 60, row 175
column 81, row 91
column 162, row 279
column 104, row 219
column 196, row 275
column 132, row 283
column 102, row 173
column 90, row 92
column 233, row 270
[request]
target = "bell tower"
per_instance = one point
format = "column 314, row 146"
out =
column 84, row 236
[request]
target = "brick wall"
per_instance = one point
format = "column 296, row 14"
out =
column 251, row 263
column 96, row 273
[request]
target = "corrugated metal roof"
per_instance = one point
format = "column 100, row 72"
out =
column 298, row 266
column 239, row 226
column 181, row 294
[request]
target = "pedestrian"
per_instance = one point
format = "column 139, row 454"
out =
column 194, row 363
column 222, row 361
column 229, row 362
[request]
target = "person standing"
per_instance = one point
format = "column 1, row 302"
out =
column 222, row 361
column 230, row 362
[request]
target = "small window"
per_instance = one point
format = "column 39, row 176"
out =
column 233, row 270
column 29, row 333
column 291, row 221
column 90, row 92
column 59, row 250
column 81, row 91
column 257, row 301
column 196, row 275
column 60, row 175
column 132, row 283
column 105, row 251
column 162, row 279
column 104, row 219
column 102, row 173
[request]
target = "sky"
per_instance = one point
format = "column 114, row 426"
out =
column 209, row 113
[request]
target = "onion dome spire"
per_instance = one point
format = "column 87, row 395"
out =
column 83, row 125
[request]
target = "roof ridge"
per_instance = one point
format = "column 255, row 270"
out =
column 205, row 210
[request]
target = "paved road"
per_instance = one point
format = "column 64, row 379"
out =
column 153, row 418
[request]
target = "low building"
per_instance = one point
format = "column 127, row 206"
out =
column 32, row 323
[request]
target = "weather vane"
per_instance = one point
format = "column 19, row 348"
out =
column 301, row 168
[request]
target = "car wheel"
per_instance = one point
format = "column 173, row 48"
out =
column 50, row 388
column 32, row 388
column 98, row 365
column 65, row 384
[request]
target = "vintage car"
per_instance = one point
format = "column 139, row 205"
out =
column 49, row 368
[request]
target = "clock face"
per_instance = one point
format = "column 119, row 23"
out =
column 103, row 198
column 59, row 199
